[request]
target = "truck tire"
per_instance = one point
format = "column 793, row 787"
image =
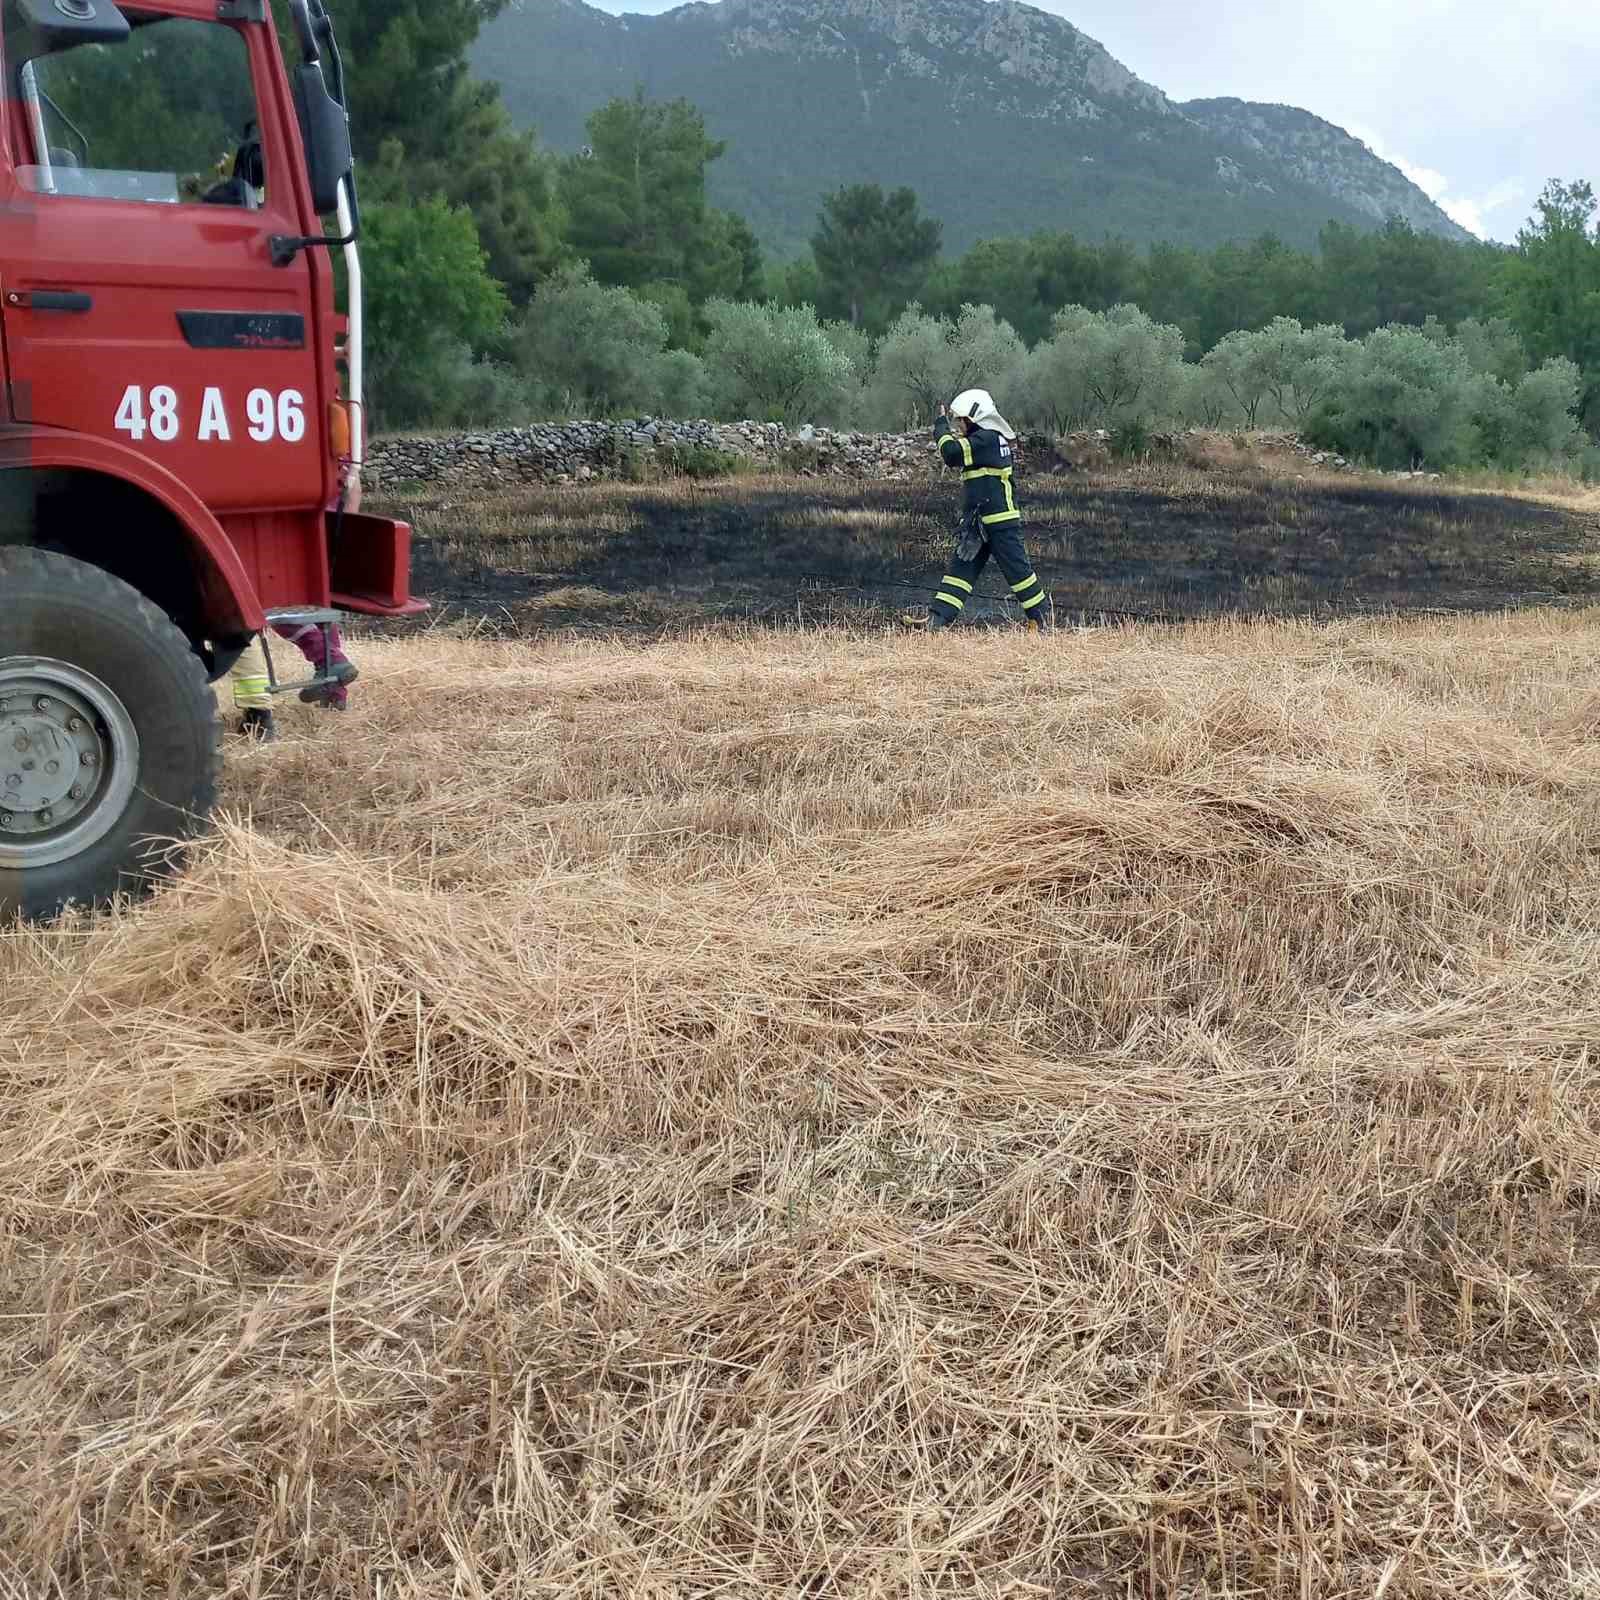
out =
column 110, row 741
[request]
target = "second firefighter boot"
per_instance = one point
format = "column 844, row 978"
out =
column 328, row 661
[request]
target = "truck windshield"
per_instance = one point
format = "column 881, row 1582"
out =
column 168, row 116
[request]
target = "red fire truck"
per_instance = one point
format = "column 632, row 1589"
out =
column 181, row 432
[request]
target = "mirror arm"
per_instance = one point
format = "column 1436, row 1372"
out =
column 328, row 49
column 303, row 26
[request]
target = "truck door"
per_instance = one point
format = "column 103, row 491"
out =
column 139, row 295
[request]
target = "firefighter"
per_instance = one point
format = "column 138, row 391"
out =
column 333, row 663
column 252, row 692
column 979, row 442
column 252, row 686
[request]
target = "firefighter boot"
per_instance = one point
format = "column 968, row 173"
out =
column 327, row 657
column 334, row 696
column 257, row 725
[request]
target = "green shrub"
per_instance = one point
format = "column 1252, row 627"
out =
column 1545, row 413
column 1278, row 374
column 798, row 458
column 634, row 464
column 681, row 389
column 703, row 461
column 431, row 306
column 1130, row 440
column 441, row 386
column 637, row 463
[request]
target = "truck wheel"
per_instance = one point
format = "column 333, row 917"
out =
column 110, row 742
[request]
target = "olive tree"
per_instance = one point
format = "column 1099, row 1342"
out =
column 923, row 362
column 589, row 350
column 775, row 363
column 1105, row 368
column 1280, row 372
column 1403, row 399
column 1543, row 424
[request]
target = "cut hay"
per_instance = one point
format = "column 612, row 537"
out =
column 813, row 1116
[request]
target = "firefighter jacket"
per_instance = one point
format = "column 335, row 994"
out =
column 985, row 460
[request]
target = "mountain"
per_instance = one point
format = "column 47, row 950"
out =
column 1327, row 158
column 1005, row 120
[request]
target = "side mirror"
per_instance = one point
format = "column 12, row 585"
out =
column 35, row 28
column 325, row 128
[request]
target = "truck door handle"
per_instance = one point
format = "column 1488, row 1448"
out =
column 49, row 300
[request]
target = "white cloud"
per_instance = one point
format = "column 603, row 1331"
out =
column 1472, row 211
column 1468, row 213
column 1475, row 212
column 1433, row 184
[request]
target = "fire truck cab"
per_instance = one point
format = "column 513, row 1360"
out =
column 181, row 423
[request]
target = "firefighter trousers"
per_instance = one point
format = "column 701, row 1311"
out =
column 251, row 685
column 1003, row 540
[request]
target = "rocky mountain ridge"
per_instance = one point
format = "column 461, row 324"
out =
column 1325, row 156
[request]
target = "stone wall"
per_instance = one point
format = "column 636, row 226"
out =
column 581, row 451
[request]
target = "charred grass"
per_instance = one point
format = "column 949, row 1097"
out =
column 1161, row 540
column 795, row 1114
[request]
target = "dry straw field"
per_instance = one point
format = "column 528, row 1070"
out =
column 812, row 1115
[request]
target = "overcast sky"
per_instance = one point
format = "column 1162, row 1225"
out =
column 1478, row 101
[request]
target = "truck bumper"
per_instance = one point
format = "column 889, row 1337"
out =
column 372, row 566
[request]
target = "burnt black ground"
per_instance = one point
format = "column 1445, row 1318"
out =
column 1161, row 544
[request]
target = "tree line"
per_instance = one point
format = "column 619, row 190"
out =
column 508, row 283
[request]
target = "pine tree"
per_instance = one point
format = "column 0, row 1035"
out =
column 1552, row 285
column 873, row 253
column 423, row 128
column 636, row 204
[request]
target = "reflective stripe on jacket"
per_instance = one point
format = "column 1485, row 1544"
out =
column 985, row 460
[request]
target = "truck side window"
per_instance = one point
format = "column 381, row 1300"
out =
column 169, row 116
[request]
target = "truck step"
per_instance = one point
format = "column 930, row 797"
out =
column 307, row 616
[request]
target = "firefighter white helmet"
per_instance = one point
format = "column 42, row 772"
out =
column 977, row 407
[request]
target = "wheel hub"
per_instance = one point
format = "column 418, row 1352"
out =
column 68, row 760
